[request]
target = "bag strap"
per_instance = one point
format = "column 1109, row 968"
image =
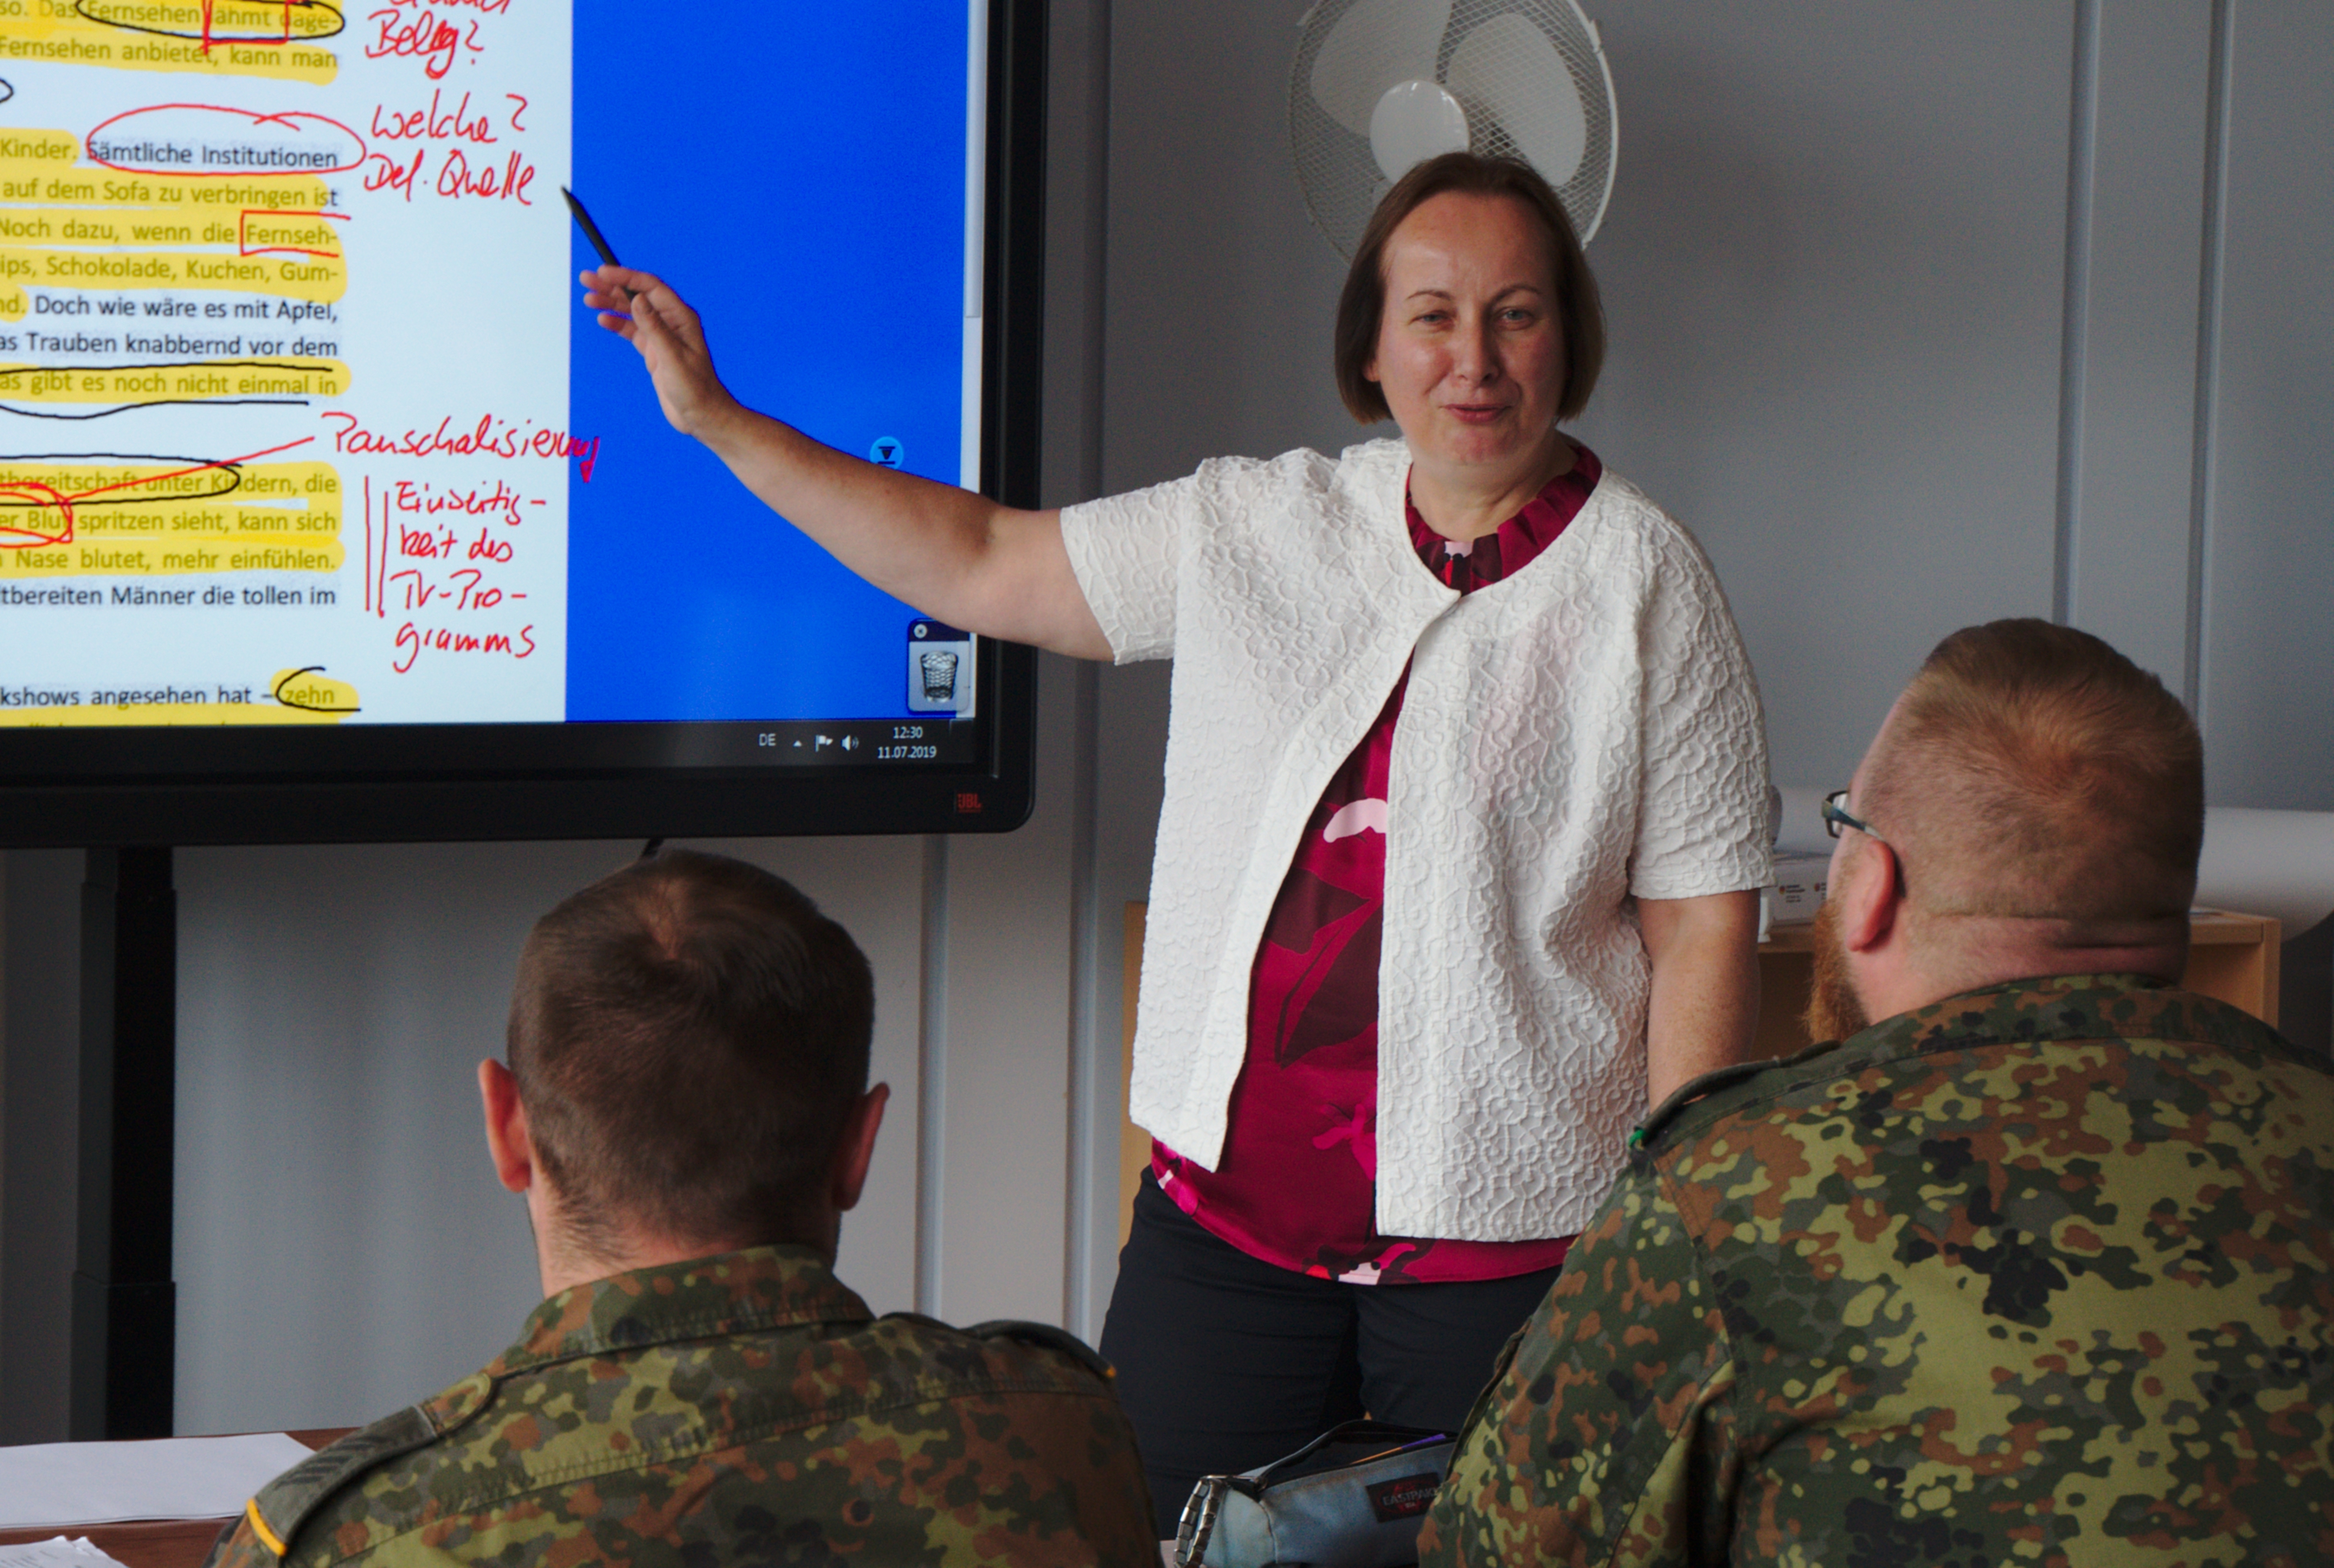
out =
column 1199, row 1520
column 1360, row 1431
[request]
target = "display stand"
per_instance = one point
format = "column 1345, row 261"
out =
column 124, row 1301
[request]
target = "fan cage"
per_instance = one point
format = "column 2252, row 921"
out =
column 1339, row 175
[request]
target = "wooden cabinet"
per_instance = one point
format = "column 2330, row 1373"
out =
column 2230, row 956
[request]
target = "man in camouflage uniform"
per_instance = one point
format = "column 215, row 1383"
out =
column 2039, row 1269
column 686, row 1112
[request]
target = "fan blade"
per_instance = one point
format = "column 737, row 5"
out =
column 1373, row 46
column 1508, row 71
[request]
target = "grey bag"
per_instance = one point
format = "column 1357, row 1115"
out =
column 1352, row 1498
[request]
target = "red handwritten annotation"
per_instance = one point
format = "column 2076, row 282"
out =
column 437, row 122
column 478, row 502
column 405, row 32
column 401, row 176
column 491, row 437
column 413, row 640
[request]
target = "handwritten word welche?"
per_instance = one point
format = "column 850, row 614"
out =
column 437, row 123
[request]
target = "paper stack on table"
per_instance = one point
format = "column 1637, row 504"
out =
column 57, row 1554
column 45, row 1483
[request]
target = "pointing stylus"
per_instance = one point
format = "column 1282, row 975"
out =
column 591, row 233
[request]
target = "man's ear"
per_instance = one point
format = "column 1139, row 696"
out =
column 508, row 1143
column 1872, row 902
column 857, row 1146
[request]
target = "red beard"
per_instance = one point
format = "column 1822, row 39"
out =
column 1834, row 1011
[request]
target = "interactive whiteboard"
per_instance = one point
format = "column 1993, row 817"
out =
column 303, row 424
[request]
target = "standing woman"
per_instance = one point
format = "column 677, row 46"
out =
column 1465, row 816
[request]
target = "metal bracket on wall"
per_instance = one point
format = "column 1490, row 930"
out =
column 124, row 1301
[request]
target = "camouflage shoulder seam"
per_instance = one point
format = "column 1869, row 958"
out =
column 462, row 1495
column 1045, row 1336
column 1706, row 1097
column 285, row 1504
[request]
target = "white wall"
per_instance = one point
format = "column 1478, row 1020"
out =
column 1920, row 315
column 1837, row 269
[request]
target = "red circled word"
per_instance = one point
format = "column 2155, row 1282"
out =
column 157, row 150
column 42, row 497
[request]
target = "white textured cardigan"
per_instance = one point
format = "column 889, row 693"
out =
column 1585, row 730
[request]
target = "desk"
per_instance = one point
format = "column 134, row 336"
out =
column 158, row 1543
column 2232, row 957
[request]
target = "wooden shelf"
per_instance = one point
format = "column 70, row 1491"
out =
column 2230, row 956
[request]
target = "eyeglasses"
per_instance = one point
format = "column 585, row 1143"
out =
column 1835, row 816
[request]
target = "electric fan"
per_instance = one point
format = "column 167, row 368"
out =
column 1381, row 85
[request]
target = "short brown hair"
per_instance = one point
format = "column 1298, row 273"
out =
column 688, row 1034
column 2030, row 771
column 1361, row 305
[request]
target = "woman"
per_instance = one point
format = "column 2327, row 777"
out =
column 1465, row 814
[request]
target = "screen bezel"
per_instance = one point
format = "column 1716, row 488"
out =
column 162, row 785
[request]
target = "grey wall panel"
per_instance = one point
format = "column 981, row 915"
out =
column 1002, row 1231
column 1832, row 271
column 42, row 1106
column 2268, row 689
column 2130, row 580
column 1222, row 292
column 342, row 1245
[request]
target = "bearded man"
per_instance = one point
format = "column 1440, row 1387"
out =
column 2038, row 1268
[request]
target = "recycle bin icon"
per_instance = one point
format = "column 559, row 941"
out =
column 940, row 669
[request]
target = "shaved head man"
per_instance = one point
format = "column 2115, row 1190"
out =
column 2033, row 1268
column 684, row 1108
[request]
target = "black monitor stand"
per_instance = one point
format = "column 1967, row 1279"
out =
column 124, row 1301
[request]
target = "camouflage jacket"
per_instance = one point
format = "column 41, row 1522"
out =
column 739, row 1409
column 2041, row 1274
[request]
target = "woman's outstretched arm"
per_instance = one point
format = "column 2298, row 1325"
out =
column 958, row 556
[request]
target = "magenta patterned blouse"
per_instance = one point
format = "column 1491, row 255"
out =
column 1296, row 1183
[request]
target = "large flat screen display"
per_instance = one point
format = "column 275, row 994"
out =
column 327, row 512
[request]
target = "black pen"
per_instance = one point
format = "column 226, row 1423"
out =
column 591, row 233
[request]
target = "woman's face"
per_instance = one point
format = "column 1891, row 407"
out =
column 1470, row 351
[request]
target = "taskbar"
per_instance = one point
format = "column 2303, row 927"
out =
column 845, row 743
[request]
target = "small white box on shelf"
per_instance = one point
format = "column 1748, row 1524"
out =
column 1797, row 891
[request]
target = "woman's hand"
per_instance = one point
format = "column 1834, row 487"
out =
column 642, row 310
column 958, row 556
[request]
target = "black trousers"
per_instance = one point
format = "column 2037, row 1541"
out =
column 1226, row 1362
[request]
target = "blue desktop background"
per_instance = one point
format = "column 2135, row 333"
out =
column 796, row 172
